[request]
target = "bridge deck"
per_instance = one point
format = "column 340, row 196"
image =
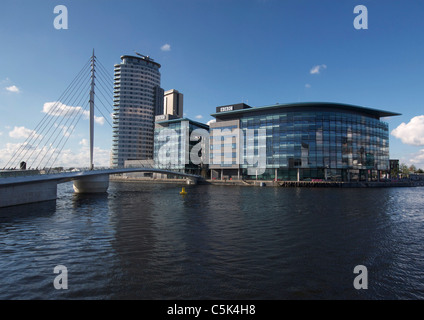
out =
column 69, row 176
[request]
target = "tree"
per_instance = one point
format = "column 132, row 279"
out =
column 412, row 169
column 404, row 170
column 394, row 173
column 420, row 170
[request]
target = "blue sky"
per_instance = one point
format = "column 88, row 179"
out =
column 219, row 52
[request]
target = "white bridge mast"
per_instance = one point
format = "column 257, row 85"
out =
column 93, row 64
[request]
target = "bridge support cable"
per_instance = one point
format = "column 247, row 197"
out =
column 105, row 108
column 72, row 120
column 58, row 109
column 108, row 77
column 104, row 86
column 105, row 117
column 45, row 143
column 45, row 124
column 66, row 116
column 102, row 91
column 61, row 145
column 54, row 147
column 39, row 129
column 106, row 82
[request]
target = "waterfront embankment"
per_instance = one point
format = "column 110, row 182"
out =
column 286, row 184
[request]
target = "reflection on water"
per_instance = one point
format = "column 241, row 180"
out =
column 146, row 241
column 28, row 211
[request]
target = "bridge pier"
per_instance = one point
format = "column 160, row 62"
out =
column 43, row 187
column 92, row 184
column 23, row 193
column 191, row 181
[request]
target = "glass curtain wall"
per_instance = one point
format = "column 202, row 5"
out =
column 320, row 145
column 172, row 147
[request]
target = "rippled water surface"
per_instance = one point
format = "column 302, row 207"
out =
column 146, row 241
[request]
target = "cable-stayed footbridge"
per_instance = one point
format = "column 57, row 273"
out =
column 30, row 175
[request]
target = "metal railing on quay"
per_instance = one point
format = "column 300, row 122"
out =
column 16, row 173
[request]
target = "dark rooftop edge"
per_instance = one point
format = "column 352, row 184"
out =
column 147, row 59
column 183, row 119
column 341, row 106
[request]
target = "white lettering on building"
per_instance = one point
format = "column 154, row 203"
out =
column 229, row 108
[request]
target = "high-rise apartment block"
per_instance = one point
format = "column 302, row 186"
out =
column 138, row 97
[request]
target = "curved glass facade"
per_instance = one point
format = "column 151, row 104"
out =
column 310, row 141
column 321, row 140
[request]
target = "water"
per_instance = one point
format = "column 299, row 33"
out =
column 145, row 241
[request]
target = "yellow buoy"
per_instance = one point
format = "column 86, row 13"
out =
column 183, row 192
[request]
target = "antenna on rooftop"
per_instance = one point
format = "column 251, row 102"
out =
column 139, row 54
column 143, row 56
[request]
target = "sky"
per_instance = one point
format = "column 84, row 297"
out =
column 216, row 52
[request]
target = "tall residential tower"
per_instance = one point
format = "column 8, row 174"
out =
column 138, row 97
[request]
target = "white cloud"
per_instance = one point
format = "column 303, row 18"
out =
column 65, row 129
column 166, row 47
column 7, row 153
column 417, row 159
column 411, row 133
column 22, row 132
column 211, row 121
column 1, row 133
column 81, row 158
column 68, row 158
column 99, row 120
column 199, row 116
column 84, row 142
column 14, row 89
column 59, row 109
column 317, row 69
column 307, row 85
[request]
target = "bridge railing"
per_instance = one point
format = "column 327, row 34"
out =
column 35, row 172
column 142, row 164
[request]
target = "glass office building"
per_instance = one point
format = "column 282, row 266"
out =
column 181, row 145
column 302, row 141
